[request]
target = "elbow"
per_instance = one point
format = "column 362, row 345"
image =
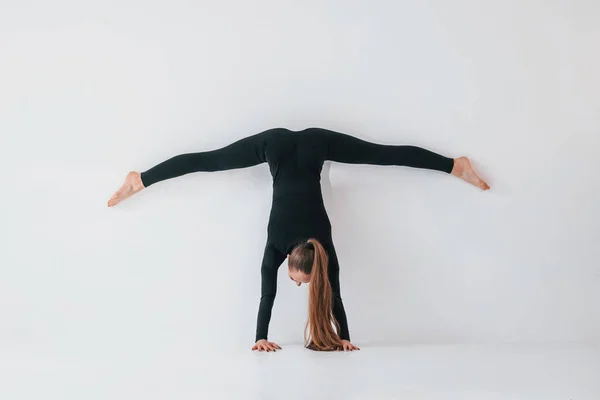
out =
column 267, row 297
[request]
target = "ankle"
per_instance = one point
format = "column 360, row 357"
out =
column 137, row 182
column 458, row 167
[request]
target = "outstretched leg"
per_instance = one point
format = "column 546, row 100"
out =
column 349, row 149
column 243, row 153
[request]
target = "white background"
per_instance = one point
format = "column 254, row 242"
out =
column 92, row 90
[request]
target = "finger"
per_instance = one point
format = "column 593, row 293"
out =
column 276, row 345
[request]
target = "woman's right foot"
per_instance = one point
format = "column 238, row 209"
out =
column 463, row 170
column 132, row 185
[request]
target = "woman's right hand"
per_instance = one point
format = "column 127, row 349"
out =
column 265, row 345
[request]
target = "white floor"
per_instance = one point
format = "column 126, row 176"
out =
column 565, row 372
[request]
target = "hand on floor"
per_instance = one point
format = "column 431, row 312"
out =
column 264, row 345
column 349, row 346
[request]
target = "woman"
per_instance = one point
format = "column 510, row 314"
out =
column 299, row 227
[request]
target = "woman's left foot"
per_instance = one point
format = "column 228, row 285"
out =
column 463, row 170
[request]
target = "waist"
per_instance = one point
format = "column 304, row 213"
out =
column 300, row 189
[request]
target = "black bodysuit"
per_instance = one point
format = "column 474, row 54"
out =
column 298, row 213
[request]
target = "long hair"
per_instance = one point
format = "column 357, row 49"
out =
column 319, row 334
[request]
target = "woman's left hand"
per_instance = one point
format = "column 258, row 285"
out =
column 348, row 346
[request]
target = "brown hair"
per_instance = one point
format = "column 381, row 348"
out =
column 311, row 258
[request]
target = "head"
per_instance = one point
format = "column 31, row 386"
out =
column 308, row 262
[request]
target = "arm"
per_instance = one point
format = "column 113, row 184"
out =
column 348, row 149
column 243, row 153
column 338, row 306
column 267, row 298
column 272, row 259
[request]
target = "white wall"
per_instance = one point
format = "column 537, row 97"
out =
column 89, row 91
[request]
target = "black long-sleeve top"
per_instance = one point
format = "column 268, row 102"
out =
column 295, row 160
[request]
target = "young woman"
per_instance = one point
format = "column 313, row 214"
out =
column 299, row 227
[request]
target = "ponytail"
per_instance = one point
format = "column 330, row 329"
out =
column 319, row 333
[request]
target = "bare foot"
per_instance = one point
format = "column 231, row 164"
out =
column 132, row 185
column 463, row 170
